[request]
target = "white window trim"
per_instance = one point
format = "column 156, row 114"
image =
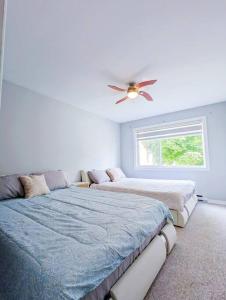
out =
column 206, row 167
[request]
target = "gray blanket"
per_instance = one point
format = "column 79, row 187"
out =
column 64, row 244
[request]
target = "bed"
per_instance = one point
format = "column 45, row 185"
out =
column 78, row 243
column 178, row 195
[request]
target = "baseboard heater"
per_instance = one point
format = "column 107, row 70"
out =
column 202, row 198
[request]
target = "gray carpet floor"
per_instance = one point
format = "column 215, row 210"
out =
column 196, row 268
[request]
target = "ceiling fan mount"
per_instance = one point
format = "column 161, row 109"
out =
column 134, row 91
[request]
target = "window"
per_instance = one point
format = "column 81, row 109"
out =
column 180, row 144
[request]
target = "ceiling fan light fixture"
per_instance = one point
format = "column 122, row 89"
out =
column 132, row 92
column 132, row 95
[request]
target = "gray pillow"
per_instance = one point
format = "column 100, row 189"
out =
column 11, row 187
column 54, row 179
column 98, row 176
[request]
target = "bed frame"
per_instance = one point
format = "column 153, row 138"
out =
column 181, row 217
column 136, row 281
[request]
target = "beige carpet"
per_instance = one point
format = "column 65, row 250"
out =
column 196, row 268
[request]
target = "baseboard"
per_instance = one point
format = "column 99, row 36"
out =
column 216, row 202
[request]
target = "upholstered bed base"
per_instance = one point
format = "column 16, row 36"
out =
column 181, row 217
column 138, row 278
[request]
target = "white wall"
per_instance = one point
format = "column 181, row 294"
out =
column 39, row 133
column 210, row 183
column 3, row 5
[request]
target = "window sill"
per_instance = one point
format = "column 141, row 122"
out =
column 155, row 168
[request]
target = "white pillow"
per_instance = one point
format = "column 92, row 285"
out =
column 115, row 174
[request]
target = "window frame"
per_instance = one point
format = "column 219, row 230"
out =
column 206, row 165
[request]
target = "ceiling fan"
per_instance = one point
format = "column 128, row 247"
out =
column 133, row 90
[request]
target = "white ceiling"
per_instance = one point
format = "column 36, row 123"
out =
column 71, row 49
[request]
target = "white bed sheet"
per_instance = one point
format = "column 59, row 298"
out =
column 174, row 193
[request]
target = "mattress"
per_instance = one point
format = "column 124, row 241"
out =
column 174, row 193
column 70, row 243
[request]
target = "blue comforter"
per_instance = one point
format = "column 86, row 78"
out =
column 63, row 245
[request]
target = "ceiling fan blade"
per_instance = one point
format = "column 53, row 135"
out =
column 146, row 96
column 116, row 88
column 121, row 100
column 144, row 83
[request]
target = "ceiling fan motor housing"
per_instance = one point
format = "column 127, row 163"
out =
column 132, row 89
